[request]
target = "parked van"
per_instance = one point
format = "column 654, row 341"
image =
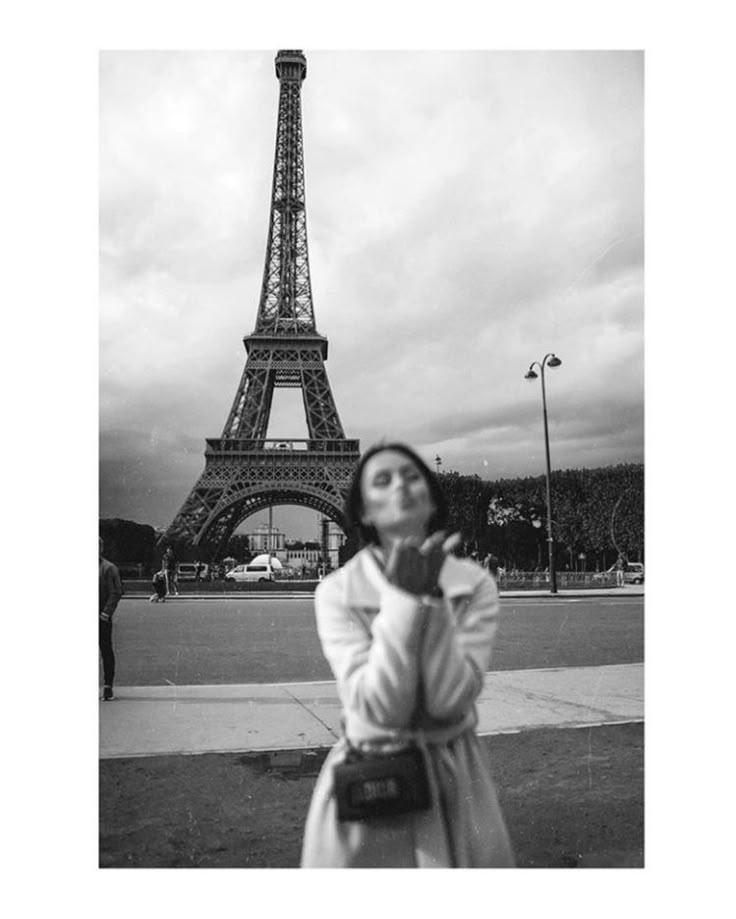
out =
column 187, row 571
column 257, row 570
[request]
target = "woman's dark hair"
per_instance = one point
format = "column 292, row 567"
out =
column 354, row 499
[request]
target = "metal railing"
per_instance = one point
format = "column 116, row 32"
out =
column 539, row 580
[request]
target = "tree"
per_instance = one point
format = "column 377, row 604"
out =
column 128, row 543
column 467, row 498
column 238, row 546
column 596, row 511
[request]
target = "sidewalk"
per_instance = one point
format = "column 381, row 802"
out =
column 161, row 720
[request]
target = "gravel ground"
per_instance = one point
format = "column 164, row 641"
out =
column 572, row 798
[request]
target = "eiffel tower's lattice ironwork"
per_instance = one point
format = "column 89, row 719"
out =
column 244, row 471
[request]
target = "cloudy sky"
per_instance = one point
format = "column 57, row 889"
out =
column 467, row 213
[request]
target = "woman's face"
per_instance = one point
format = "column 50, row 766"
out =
column 396, row 496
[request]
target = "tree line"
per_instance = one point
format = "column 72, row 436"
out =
column 597, row 513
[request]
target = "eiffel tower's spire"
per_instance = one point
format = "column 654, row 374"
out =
column 286, row 294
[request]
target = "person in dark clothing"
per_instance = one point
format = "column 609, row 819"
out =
column 111, row 590
column 169, row 566
column 491, row 563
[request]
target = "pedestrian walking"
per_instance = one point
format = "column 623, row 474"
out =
column 407, row 629
column 111, row 590
column 491, row 563
column 169, row 567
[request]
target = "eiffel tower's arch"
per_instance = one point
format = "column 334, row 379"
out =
column 223, row 522
column 252, row 503
column 244, row 470
column 242, row 498
column 237, row 483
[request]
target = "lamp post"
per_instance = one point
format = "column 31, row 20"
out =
column 549, row 361
column 438, row 463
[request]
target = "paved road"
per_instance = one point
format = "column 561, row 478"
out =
column 257, row 640
column 248, row 674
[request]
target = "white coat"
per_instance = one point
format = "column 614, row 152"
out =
column 380, row 642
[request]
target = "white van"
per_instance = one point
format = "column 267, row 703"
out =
column 256, row 570
column 187, row 571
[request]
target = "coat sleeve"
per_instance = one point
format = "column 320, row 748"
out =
column 114, row 590
column 376, row 670
column 456, row 654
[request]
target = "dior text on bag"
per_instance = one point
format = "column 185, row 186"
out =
column 379, row 785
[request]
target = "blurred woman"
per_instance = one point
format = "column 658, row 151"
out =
column 407, row 629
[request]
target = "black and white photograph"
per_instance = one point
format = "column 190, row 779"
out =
column 384, row 354
column 372, row 561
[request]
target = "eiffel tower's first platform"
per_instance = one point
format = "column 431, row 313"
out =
column 244, row 470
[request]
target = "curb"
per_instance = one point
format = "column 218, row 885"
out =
column 304, row 595
column 294, row 757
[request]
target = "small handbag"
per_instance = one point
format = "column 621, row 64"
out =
column 379, row 785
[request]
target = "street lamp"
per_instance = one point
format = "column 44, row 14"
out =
column 438, row 463
column 549, row 361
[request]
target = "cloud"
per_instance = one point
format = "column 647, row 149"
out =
column 467, row 213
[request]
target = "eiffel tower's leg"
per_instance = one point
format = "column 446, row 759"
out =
column 252, row 405
column 217, row 535
column 323, row 422
column 191, row 522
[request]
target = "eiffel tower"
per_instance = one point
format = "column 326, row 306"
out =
column 244, row 471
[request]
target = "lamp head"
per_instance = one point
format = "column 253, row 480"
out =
column 530, row 375
column 554, row 361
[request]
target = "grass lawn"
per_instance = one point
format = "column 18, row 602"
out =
column 572, row 798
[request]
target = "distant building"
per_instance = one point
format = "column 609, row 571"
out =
column 301, row 555
column 332, row 537
column 267, row 539
column 297, row 553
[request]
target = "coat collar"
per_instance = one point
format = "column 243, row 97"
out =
column 364, row 580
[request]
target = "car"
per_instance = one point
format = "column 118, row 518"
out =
column 634, row 573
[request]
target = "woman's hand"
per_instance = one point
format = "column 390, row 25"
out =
column 416, row 568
